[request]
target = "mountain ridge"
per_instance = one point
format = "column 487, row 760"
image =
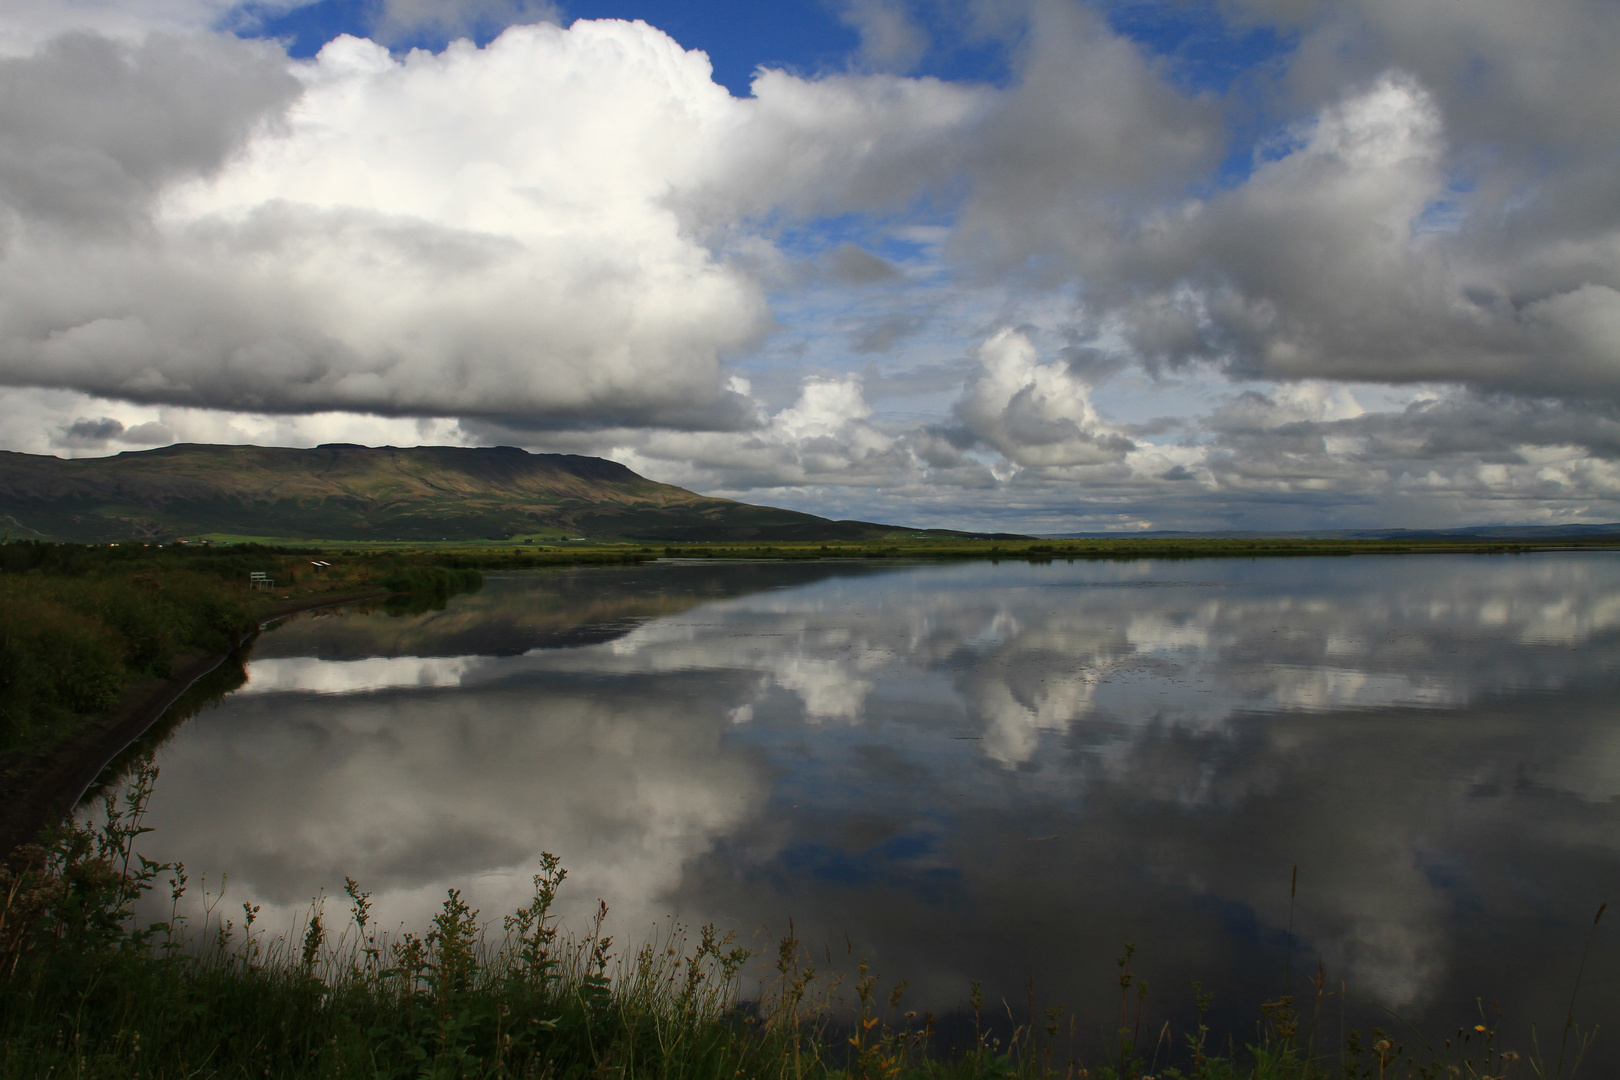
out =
column 345, row 491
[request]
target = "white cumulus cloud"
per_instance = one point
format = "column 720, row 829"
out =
column 1034, row 413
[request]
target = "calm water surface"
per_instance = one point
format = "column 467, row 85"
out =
column 997, row 772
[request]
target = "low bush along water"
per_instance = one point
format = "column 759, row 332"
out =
column 86, row 990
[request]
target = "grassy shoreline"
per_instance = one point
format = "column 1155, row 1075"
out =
column 87, row 990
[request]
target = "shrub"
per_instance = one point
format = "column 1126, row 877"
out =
column 53, row 662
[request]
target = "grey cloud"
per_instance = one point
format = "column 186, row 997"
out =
column 1522, row 79
column 91, row 433
column 25, row 24
column 87, row 434
column 1304, row 456
column 91, row 129
column 1478, row 247
column 1311, row 270
column 1462, row 459
column 724, row 411
column 397, row 21
column 1461, row 428
column 1088, row 132
column 1159, row 425
column 890, row 39
column 1028, row 425
column 1441, row 207
column 1093, row 365
column 941, row 447
column 151, row 433
column 922, row 379
column 836, row 145
column 882, row 334
column 1477, row 424
column 1277, row 462
column 855, row 265
column 1252, row 411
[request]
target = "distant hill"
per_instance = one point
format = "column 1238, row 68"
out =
column 341, row 491
column 1488, row 532
column 1464, row 532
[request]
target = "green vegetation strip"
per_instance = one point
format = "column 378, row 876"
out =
column 905, row 546
column 86, row 991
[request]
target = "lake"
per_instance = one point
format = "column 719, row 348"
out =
column 992, row 771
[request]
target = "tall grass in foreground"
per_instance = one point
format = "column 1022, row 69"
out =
column 86, row 991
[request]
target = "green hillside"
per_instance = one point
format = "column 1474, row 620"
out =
column 340, row 491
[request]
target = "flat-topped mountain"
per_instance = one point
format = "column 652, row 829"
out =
column 341, row 491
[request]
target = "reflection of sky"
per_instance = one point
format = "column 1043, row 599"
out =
column 975, row 771
column 280, row 674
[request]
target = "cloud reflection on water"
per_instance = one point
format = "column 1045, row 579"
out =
column 413, row 792
column 976, row 771
column 282, row 674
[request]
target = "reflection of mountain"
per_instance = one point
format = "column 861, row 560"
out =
column 542, row 609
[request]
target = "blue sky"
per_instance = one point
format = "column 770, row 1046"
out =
column 1046, row 265
column 1206, row 51
column 738, row 37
